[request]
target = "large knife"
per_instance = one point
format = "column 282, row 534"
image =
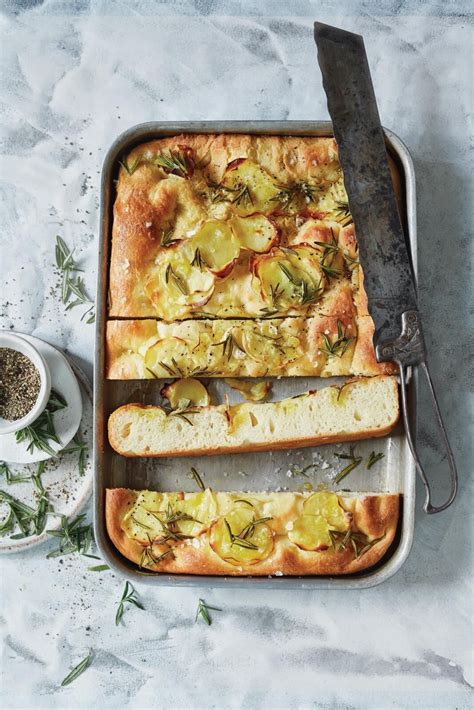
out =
column 388, row 277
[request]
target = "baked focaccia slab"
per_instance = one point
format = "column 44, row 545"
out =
column 256, row 534
column 235, row 226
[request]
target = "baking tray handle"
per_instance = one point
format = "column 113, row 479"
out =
column 428, row 507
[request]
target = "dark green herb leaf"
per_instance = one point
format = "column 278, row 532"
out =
column 373, row 458
column 128, row 597
column 203, row 611
column 78, row 670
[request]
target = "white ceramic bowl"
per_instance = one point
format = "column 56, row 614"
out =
column 16, row 342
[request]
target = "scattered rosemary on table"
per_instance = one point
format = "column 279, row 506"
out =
column 29, row 520
column 80, row 447
column 203, row 611
column 128, row 597
column 42, row 430
column 78, row 670
column 354, row 462
column 295, row 470
column 72, row 286
column 73, row 537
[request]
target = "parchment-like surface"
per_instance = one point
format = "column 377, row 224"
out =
column 75, row 75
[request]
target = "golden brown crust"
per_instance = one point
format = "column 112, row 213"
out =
column 375, row 516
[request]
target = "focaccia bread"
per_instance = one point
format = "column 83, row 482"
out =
column 233, row 226
column 322, row 346
column 360, row 409
column 255, row 534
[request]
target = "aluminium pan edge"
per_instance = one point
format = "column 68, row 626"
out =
column 148, row 131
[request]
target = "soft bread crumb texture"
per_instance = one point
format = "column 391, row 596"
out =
column 363, row 409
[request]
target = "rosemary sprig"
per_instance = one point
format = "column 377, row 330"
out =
column 288, row 194
column 177, row 280
column 229, row 344
column 167, row 238
column 176, row 162
column 304, row 291
column 42, row 430
column 242, row 195
column 72, row 285
column 295, row 470
column 242, row 539
column 203, row 611
column 81, row 448
column 11, row 477
column 340, row 345
column 149, row 558
column 73, row 537
column 20, row 513
column 360, row 543
column 128, row 597
column 342, row 214
column 199, row 260
column 130, row 168
column 373, row 458
column 195, row 475
column 78, row 670
column 354, row 462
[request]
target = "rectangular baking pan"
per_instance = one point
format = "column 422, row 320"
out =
column 257, row 471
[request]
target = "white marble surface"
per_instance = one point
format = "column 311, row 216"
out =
column 74, row 75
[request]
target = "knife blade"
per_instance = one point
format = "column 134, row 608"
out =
column 352, row 105
column 383, row 252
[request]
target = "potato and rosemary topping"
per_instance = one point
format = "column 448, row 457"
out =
column 186, row 392
column 252, row 391
column 246, row 529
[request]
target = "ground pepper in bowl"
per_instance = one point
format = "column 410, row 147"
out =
column 20, row 384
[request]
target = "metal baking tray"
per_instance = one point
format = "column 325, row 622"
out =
column 251, row 471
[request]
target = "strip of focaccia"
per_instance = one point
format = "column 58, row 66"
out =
column 251, row 533
column 322, row 346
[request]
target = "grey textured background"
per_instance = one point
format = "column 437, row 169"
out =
column 73, row 76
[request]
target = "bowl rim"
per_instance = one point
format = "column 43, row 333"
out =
column 17, row 342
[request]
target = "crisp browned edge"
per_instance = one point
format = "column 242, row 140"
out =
column 274, row 446
column 291, row 561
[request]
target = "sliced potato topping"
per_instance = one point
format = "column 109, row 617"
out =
column 202, row 508
column 215, row 247
column 168, row 356
column 186, row 392
column 176, row 285
column 255, row 233
column 271, row 348
column 310, row 532
column 321, row 513
column 240, row 538
column 252, row 391
column 252, row 188
column 290, row 278
column 326, row 503
column 142, row 521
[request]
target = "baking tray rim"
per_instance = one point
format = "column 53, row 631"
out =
column 152, row 130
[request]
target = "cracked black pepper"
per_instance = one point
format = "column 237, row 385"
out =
column 19, row 384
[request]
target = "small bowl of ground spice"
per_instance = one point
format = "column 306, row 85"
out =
column 25, row 383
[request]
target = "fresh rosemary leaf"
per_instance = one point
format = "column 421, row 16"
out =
column 42, row 430
column 80, row 447
column 203, row 611
column 73, row 537
column 167, row 238
column 295, row 470
column 242, row 195
column 130, row 168
column 98, row 568
column 128, row 597
column 340, row 345
column 354, row 462
column 194, row 474
column 373, row 458
column 78, row 670
column 72, row 285
column 176, row 162
column 9, row 476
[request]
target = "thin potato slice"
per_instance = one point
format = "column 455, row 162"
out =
column 275, row 351
column 326, row 505
column 289, row 278
column 250, row 188
column 175, row 285
column 202, row 507
column 311, row 532
column 255, row 233
column 252, row 391
column 230, row 538
column 216, row 248
column 142, row 521
column 186, row 392
column 169, row 356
